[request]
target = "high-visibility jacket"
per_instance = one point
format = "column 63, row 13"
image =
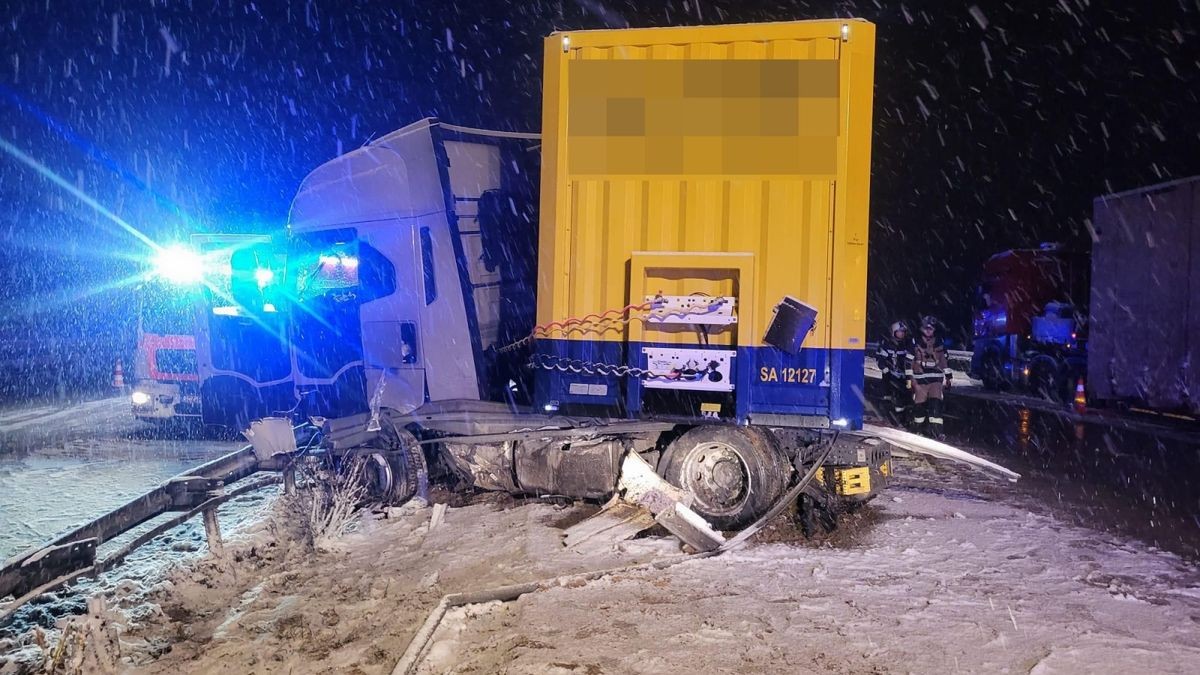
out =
column 892, row 357
column 929, row 363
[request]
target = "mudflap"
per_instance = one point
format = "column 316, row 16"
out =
column 643, row 499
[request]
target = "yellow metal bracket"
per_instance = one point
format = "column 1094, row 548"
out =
column 853, row 481
column 848, row 481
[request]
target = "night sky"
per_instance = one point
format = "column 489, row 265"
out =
column 996, row 124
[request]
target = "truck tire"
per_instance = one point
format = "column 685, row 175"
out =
column 376, row 473
column 407, row 458
column 734, row 474
column 393, row 466
column 991, row 372
column 1046, row 383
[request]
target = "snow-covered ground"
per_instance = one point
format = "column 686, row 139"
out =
column 941, row 578
column 99, row 413
column 944, row 573
column 941, row 586
column 61, row 466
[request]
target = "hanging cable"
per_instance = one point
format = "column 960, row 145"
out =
column 608, row 319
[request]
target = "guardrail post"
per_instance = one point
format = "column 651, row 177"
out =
column 289, row 479
column 212, row 531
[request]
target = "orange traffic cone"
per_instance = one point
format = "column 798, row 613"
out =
column 118, row 376
column 1080, row 397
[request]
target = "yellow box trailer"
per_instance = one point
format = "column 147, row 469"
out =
column 703, row 239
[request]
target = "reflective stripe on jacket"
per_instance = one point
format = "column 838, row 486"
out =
column 892, row 357
column 929, row 362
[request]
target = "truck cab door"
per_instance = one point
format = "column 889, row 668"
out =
column 393, row 352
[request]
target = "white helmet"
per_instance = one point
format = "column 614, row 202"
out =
column 899, row 326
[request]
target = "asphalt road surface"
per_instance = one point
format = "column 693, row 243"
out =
column 1113, row 472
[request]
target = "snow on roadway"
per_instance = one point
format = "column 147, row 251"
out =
column 965, row 385
column 942, row 573
column 61, row 466
column 945, row 580
column 87, row 414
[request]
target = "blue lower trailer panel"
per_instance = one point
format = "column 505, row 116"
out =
column 826, row 383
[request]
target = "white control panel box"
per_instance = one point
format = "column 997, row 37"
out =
column 689, row 369
column 692, row 309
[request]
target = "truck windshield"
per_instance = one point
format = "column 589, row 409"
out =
column 336, row 263
column 334, row 274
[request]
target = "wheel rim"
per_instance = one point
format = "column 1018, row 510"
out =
column 378, row 475
column 718, row 478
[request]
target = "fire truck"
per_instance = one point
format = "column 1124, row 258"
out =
column 166, row 381
column 1030, row 321
column 212, row 347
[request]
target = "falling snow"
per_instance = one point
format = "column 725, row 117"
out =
column 979, row 16
column 126, row 126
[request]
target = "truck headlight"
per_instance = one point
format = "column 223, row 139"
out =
column 140, row 398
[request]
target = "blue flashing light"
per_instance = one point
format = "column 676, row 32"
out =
column 179, row 265
column 264, row 277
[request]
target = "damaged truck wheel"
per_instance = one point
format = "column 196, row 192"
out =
column 407, row 458
column 394, row 467
column 734, row 474
column 376, row 472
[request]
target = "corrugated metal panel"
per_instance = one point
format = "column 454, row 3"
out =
column 1143, row 332
column 1192, row 321
column 638, row 197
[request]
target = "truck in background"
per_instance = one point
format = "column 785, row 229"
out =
column 1144, row 344
column 1029, row 329
column 1127, row 322
column 672, row 325
column 212, row 342
column 166, row 383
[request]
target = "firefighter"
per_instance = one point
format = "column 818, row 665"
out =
column 930, row 374
column 894, row 363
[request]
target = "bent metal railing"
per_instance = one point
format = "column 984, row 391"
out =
column 72, row 556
